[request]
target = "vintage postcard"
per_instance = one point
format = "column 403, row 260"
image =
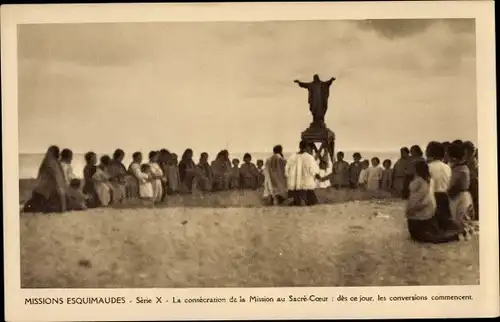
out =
column 249, row 161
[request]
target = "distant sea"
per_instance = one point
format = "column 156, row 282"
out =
column 29, row 162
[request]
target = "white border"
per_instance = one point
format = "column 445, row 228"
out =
column 486, row 295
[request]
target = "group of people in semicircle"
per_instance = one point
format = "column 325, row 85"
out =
column 440, row 188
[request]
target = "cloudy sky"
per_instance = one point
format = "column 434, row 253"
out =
column 208, row 86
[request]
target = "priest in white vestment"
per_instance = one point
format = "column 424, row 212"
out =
column 302, row 171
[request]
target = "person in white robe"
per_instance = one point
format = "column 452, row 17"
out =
column 301, row 172
column 374, row 175
column 157, row 176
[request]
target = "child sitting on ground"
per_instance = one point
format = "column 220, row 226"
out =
column 76, row 199
column 146, row 192
column 325, row 175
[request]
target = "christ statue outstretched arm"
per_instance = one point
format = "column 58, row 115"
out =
column 330, row 81
column 302, row 84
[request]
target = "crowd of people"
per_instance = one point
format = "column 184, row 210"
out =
column 441, row 187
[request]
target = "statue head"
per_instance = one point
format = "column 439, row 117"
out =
column 316, row 78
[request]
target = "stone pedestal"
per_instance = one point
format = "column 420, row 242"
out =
column 322, row 135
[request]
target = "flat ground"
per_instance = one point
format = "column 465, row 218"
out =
column 342, row 243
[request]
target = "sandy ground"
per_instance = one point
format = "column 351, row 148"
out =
column 341, row 244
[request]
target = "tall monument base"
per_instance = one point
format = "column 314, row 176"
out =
column 322, row 135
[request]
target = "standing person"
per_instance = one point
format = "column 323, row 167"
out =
column 446, row 146
column 354, row 170
column 301, row 172
column 461, row 204
column 187, row 171
column 274, row 177
column 421, row 207
column 89, row 185
column 248, row 173
column 66, row 159
column 340, row 172
column 173, row 177
column 363, row 175
column 101, row 182
column 374, row 175
column 260, row 173
column 49, row 194
column 472, row 164
column 234, row 175
column 117, row 173
column 163, row 163
column 133, row 176
column 399, row 171
column 205, row 176
column 440, row 174
column 221, row 169
column 386, row 181
column 157, row 176
column 416, row 155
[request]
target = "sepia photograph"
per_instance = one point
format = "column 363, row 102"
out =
column 302, row 153
column 259, row 155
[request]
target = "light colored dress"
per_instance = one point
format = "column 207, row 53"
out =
column 441, row 175
column 421, row 204
column 145, row 186
column 157, row 174
column 363, row 176
column 102, row 186
column 323, row 184
column 373, row 177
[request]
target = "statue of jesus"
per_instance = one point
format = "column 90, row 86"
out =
column 319, row 92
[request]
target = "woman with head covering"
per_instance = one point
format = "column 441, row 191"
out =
column 117, row 173
column 461, row 203
column 205, row 176
column 49, row 194
column 187, row 170
column 221, row 170
column 421, row 207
